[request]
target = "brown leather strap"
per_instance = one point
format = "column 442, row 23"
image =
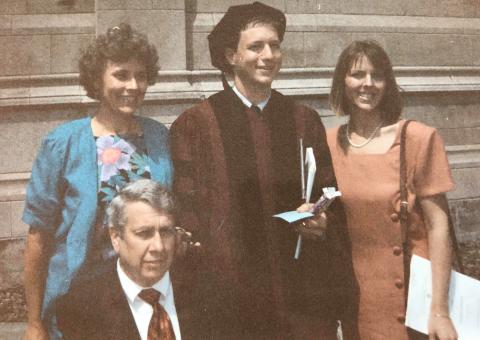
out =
column 403, row 184
column 404, row 208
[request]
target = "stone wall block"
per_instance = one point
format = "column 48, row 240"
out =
column 326, row 7
column 123, row 4
column 475, row 46
column 5, row 220
column 465, row 215
column 306, row 6
column 66, row 51
column 19, row 229
column 408, row 49
column 5, row 24
column 323, row 48
column 165, row 29
column 453, row 111
column 301, row 23
column 24, row 55
column 13, row 7
column 428, row 50
column 472, row 7
column 55, row 6
column 11, row 263
column 377, row 36
column 222, row 5
column 23, row 131
column 201, row 53
column 452, row 8
column 293, row 50
column 447, row 116
column 467, row 181
column 53, row 24
column 434, row 8
column 386, row 7
column 168, row 4
column 464, row 136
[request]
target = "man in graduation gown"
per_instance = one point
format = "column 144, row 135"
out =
column 237, row 163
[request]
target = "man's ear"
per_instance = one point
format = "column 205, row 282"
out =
column 115, row 238
column 230, row 55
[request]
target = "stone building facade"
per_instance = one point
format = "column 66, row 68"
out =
column 434, row 45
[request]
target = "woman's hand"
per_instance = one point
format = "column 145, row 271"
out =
column 435, row 211
column 441, row 327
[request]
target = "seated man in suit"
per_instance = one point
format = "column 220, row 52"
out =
column 133, row 298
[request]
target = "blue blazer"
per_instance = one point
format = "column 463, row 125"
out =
column 62, row 195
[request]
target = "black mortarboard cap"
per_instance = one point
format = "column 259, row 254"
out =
column 227, row 32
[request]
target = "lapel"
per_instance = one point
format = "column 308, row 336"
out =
column 119, row 323
column 280, row 115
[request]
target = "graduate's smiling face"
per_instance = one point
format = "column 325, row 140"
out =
column 258, row 57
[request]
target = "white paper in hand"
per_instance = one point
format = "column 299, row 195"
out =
column 293, row 216
column 464, row 300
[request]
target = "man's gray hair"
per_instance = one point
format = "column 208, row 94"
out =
column 143, row 190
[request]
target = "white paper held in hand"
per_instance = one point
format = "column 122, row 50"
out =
column 463, row 302
column 311, row 165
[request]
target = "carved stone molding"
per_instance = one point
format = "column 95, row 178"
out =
column 191, row 85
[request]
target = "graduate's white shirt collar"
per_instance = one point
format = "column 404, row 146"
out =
column 247, row 102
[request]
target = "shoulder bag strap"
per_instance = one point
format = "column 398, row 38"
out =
column 404, row 208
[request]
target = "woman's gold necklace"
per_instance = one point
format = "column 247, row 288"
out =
column 369, row 139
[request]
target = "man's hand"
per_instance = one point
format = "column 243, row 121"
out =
column 36, row 331
column 184, row 241
column 314, row 227
column 306, row 207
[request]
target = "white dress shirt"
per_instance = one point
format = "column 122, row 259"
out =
column 142, row 311
column 248, row 103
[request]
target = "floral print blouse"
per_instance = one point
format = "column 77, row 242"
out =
column 120, row 160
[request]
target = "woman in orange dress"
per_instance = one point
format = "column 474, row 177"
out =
column 365, row 154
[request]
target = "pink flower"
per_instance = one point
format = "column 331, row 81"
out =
column 113, row 156
column 110, row 155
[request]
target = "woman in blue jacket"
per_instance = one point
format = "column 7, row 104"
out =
column 80, row 167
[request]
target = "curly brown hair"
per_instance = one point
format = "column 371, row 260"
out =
column 119, row 44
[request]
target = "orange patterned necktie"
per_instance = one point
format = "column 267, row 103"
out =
column 160, row 327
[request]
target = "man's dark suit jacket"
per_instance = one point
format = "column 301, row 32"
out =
column 97, row 308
